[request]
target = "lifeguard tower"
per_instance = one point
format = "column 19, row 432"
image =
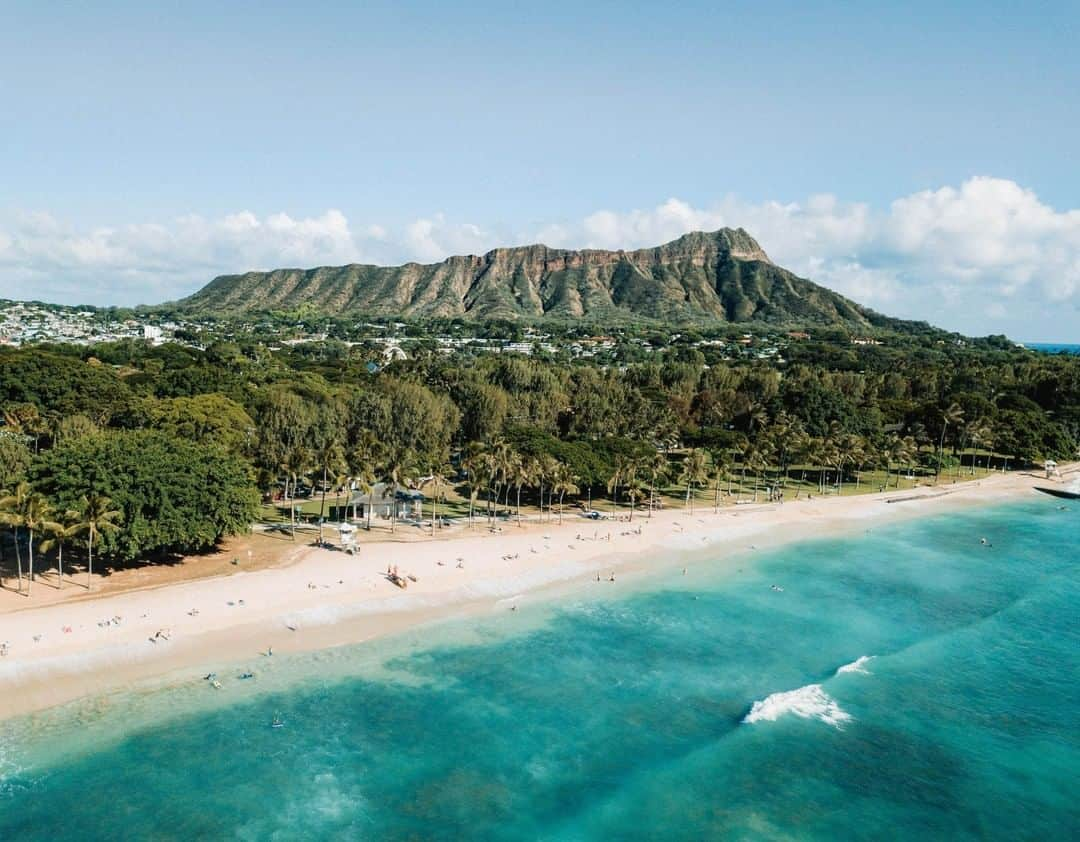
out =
column 348, row 538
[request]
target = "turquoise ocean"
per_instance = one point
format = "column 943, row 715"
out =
column 1054, row 348
column 907, row 682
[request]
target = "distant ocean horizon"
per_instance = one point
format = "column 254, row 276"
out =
column 1053, row 347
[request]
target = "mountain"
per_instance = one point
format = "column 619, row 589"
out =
column 720, row 276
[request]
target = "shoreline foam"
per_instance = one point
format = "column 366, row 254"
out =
column 331, row 599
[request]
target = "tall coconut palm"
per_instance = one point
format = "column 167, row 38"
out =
column 330, row 462
column 564, row 483
column 633, row 473
column 694, row 473
column 474, row 466
column 65, row 527
column 398, row 471
column 519, row 475
column 498, row 464
column 830, row 457
column 756, row 458
column 657, row 469
column 296, row 464
column 854, row 449
column 991, row 439
column 909, row 453
column 544, row 470
column 11, row 507
column 896, row 452
column 95, row 517
column 436, row 481
column 363, row 460
column 615, row 480
column 720, row 464
column 36, row 516
column 979, row 436
column 953, row 414
column 756, row 418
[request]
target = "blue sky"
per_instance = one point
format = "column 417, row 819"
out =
column 147, row 146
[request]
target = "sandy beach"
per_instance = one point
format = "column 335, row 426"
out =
column 90, row 643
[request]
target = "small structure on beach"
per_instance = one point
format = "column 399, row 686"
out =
column 348, row 537
column 407, row 503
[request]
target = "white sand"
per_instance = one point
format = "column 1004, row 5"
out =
column 330, row 598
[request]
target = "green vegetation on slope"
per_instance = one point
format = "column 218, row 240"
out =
column 722, row 276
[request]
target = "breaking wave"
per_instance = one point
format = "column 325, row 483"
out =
column 809, row 702
column 858, row 665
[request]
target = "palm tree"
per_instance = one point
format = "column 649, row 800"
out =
column 363, row 460
column 854, row 450
column 564, row 483
column 436, row 481
column 657, row 468
column 11, row 507
column 474, row 464
column 719, row 469
column 364, row 477
column 829, row 456
column 296, row 464
column 519, row 474
column 330, row 460
column 544, row 470
column 953, row 414
column 991, row 438
column 694, row 472
column 34, row 517
column 398, row 470
column 632, row 481
column 757, row 418
column 979, row 435
column 909, row 452
column 498, row 462
column 898, row 451
column 66, row 526
column 94, row 517
column 614, row 481
column 757, row 459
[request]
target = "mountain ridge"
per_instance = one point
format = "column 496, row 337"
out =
column 719, row 276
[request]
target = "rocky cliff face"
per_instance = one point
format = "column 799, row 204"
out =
column 720, row 276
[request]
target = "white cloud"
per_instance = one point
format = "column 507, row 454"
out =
column 983, row 256
column 152, row 262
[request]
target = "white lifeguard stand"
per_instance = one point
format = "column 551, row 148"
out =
column 348, row 538
column 1051, row 469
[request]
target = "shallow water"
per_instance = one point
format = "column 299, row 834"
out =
column 907, row 682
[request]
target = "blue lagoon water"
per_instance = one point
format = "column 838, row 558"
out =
column 907, row 682
column 1053, row 348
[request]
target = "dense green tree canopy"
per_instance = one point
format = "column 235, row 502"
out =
column 183, row 438
column 174, row 495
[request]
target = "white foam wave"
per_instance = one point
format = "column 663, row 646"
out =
column 9, row 771
column 809, row 702
column 858, row 665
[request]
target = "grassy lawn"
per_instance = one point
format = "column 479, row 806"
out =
column 801, row 481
